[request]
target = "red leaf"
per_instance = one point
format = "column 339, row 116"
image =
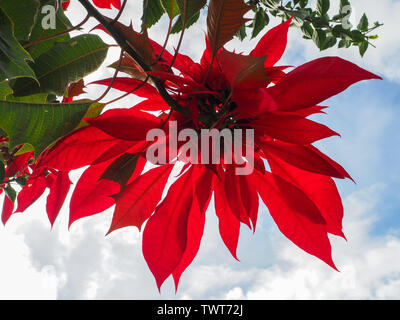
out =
column 8, row 207
column 17, row 164
column 291, row 128
column 253, row 102
column 304, row 157
column 243, row 71
column 33, row 189
column 152, row 105
column 229, row 224
column 144, row 90
column 202, row 181
column 92, row 195
column 126, row 124
column 273, row 44
column 137, row 201
column 224, row 19
column 106, row 4
column 320, row 189
column 233, row 195
column 295, row 214
column 78, row 149
column 316, row 81
column 58, row 192
column 249, row 198
column 165, row 234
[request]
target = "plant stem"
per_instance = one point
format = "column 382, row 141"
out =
column 122, row 42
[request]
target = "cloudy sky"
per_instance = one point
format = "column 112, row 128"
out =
column 40, row 263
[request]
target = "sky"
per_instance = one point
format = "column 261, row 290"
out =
column 38, row 262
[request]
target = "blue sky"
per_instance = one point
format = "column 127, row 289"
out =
column 83, row 264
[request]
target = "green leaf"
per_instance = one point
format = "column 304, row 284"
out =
column 39, row 124
column 170, row 7
column 23, row 15
column 177, row 27
column 5, row 90
column 329, row 42
column 62, row 24
column 65, row 62
column 363, row 47
column 2, row 172
column 13, row 58
column 152, row 12
column 260, row 21
column 241, row 34
column 363, row 24
column 319, row 37
column 10, row 192
column 192, row 7
column 307, row 30
column 357, row 36
column 323, row 7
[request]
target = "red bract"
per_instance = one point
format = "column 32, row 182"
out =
column 236, row 92
column 104, row 4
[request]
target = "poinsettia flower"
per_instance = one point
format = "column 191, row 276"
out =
column 228, row 91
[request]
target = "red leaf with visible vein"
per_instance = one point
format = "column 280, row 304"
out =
column 144, row 90
column 17, row 164
column 137, row 201
column 229, row 224
column 303, row 157
column 273, row 44
column 316, row 81
column 243, row 71
column 295, row 214
column 202, row 180
column 58, row 192
column 224, row 19
column 165, row 234
column 92, row 195
column 8, row 207
column 291, row 128
column 320, row 189
column 126, row 124
column 78, row 149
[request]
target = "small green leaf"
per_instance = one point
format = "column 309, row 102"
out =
column 323, row 7
column 363, row 47
column 10, row 192
column 259, row 22
column 357, row 36
column 2, row 172
column 241, row 34
column 363, row 24
column 307, row 30
column 319, row 37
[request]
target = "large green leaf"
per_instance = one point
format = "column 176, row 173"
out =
column 62, row 24
column 65, row 62
column 13, row 58
column 23, row 14
column 170, row 7
column 39, row 124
